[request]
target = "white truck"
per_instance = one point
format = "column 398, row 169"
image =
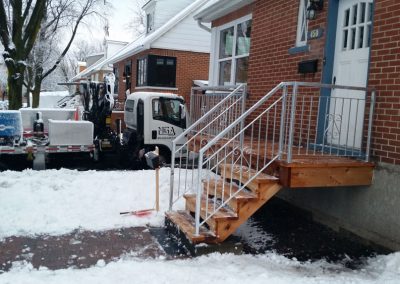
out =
column 151, row 119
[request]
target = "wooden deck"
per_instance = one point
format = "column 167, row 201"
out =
column 308, row 168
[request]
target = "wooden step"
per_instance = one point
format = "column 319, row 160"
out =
column 207, row 207
column 224, row 190
column 230, row 172
column 186, row 224
column 225, row 222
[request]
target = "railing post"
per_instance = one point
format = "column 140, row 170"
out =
column 244, row 94
column 191, row 106
column 292, row 118
column 171, row 179
column 282, row 126
column 198, row 193
column 371, row 116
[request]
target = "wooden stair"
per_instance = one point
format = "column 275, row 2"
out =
column 228, row 218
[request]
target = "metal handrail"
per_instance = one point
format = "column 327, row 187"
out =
column 242, row 117
column 204, row 118
column 293, row 119
column 196, row 123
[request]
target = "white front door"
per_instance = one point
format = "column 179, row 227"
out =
column 346, row 109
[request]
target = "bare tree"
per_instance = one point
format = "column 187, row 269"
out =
column 60, row 15
column 19, row 26
column 84, row 49
column 137, row 24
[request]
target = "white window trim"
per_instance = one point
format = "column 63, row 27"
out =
column 215, row 60
column 150, row 29
column 302, row 20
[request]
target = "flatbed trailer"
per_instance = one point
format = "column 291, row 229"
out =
column 38, row 152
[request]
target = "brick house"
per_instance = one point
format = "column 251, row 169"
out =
column 95, row 67
column 343, row 42
column 172, row 53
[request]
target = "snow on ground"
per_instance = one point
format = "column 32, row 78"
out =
column 214, row 268
column 60, row 201
column 57, row 202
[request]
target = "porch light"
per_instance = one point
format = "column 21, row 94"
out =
column 313, row 7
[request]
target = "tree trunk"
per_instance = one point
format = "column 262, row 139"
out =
column 36, row 96
column 37, row 86
column 15, row 84
column 29, row 79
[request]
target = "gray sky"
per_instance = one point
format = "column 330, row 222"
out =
column 119, row 17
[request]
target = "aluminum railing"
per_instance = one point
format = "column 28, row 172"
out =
column 327, row 120
column 294, row 120
column 212, row 110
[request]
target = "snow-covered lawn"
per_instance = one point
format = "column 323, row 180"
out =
column 57, row 202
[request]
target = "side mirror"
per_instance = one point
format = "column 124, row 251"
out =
column 182, row 111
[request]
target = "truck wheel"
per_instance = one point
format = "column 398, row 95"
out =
column 163, row 160
column 165, row 157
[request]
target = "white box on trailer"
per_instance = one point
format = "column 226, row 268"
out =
column 29, row 116
column 66, row 132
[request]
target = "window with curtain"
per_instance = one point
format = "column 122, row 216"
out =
column 233, row 52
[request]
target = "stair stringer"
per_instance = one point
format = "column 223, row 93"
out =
column 224, row 228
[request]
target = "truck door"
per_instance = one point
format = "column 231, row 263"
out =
column 140, row 120
column 167, row 121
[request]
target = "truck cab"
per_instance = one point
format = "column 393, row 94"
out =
column 153, row 119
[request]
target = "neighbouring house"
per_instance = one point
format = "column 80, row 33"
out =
column 96, row 67
column 173, row 52
column 342, row 42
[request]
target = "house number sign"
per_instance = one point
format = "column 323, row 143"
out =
column 315, row 34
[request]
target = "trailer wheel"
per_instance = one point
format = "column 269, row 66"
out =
column 96, row 155
column 3, row 167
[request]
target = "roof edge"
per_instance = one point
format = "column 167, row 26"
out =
column 220, row 9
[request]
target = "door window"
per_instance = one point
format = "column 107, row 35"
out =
column 356, row 26
column 168, row 110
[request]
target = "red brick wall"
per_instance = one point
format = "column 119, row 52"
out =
column 385, row 77
column 274, row 33
column 189, row 66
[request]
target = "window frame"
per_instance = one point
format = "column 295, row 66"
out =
column 150, row 22
column 116, row 84
column 302, row 20
column 128, row 75
column 215, row 75
column 149, row 73
column 141, row 71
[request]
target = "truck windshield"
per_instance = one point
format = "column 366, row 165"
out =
column 170, row 111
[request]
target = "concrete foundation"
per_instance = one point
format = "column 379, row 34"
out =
column 372, row 212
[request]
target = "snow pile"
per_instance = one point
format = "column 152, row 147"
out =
column 60, row 201
column 50, row 99
column 214, row 268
